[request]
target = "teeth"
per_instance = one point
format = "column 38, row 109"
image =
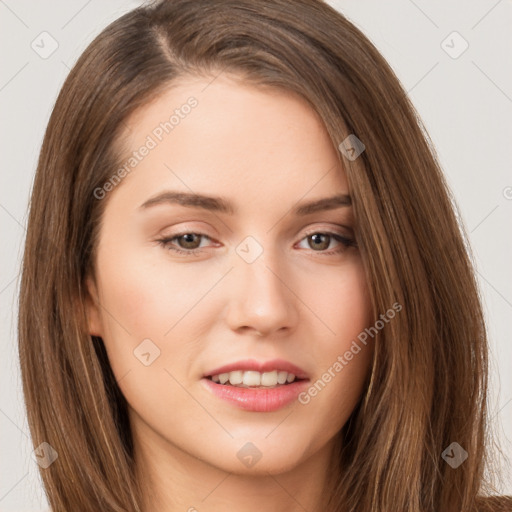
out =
column 236, row 378
column 281, row 377
column 254, row 379
column 269, row 378
column 251, row 379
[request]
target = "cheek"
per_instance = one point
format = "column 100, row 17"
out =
column 153, row 307
column 149, row 297
column 149, row 316
column 342, row 301
column 341, row 358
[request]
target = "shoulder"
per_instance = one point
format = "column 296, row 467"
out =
column 493, row 504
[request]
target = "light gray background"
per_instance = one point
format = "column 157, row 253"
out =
column 465, row 103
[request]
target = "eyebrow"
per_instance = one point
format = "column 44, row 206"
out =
column 222, row 205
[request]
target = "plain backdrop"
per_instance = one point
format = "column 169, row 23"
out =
column 454, row 59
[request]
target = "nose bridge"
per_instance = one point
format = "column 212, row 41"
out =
column 263, row 299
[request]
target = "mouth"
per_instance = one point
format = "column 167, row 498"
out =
column 254, row 379
column 255, row 386
column 253, row 374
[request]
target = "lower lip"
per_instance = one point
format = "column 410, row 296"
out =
column 258, row 399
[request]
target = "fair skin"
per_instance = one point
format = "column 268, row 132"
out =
column 264, row 152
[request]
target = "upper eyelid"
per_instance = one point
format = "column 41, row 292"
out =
column 328, row 231
column 341, row 239
column 199, row 231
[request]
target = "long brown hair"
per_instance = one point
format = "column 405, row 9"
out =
column 428, row 382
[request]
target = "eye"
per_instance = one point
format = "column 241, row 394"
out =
column 319, row 241
column 189, row 243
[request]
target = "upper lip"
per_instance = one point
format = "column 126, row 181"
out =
column 260, row 366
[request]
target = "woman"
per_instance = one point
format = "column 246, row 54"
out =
column 251, row 288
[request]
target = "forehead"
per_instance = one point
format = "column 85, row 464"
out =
column 258, row 142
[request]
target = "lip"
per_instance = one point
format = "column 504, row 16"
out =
column 260, row 366
column 257, row 399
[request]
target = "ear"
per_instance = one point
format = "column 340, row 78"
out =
column 93, row 309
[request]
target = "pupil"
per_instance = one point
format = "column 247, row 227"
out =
column 188, row 239
column 317, row 240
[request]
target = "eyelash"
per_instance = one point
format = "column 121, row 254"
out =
column 346, row 242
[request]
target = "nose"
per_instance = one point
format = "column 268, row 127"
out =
column 262, row 299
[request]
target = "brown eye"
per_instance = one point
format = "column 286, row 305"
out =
column 315, row 241
column 320, row 241
column 189, row 240
column 184, row 243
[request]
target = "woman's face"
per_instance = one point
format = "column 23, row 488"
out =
column 185, row 287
